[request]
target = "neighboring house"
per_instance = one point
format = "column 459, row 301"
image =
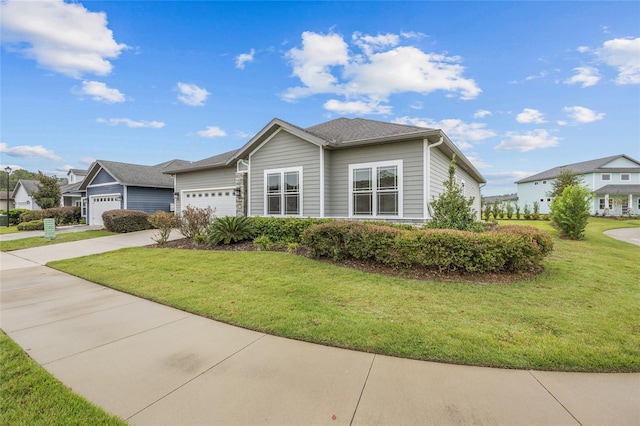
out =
column 344, row 168
column 110, row 185
column 501, row 199
column 23, row 194
column 3, row 201
column 615, row 182
column 71, row 193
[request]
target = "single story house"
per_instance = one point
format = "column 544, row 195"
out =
column 111, row 185
column 343, row 168
column 615, row 182
column 23, row 194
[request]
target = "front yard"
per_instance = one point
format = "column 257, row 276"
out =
column 32, row 242
column 580, row 314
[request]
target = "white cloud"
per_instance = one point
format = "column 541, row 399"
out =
column 64, row 37
column 477, row 162
column 131, row 123
column 461, row 133
column 242, row 135
column 417, row 105
column 101, row 92
column 64, row 168
column 211, row 132
column 190, row 94
column 481, row 113
column 87, row 161
column 583, row 49
column 530, row 115
column 28, row 151
column 587, row 76
column 325, row 65
column 579, row 114
column 356, row 107
column 624, row 55
column 244, row 58
column 536, row 139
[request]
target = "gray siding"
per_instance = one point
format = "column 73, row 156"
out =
column 286, row 150
column 205, row 179
column 149, row 199
column 103, row 190
column 411, row 154
column 102, row 177
column 440, row 173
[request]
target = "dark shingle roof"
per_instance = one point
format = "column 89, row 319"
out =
column 619, row 189
column 358, row 129
column 70, row 188
column 29, row 185
column 219, row 160
column 581, row 168
column 135, row 174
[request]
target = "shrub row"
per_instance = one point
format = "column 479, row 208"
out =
column 283, row 230
column 506, row 248
column 125, row 220
column 63, row 215
column 33, row 225
column 14, row 215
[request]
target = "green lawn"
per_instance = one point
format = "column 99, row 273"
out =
column 8, row 230
column 32, row 242
column 29, row 395
column 580, row 314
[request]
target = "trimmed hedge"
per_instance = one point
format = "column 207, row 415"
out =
column 63, row 215
column 283, row 230
column 123, row 221
column 14, row 215
column 504, row 249
column 34, row 225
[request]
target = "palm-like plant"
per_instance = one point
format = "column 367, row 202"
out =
column 230, row 229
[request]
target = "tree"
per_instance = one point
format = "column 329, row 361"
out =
column 451, row 210
column 570, row 211
column 15, row 176
column 566, row 177
column 48, row 194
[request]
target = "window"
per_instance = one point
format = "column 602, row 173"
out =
column 283, row 191
column 544, row 182
column 601, row 204
column 536, row 182
column 375, row 189
column 605, row 176
column 624, row 176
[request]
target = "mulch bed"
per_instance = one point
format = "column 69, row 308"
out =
column 368, row 266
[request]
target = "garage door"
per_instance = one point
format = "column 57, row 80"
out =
column 99, row 204
column 222, row 200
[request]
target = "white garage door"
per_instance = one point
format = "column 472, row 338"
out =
column 99, row 204
column 222, row 200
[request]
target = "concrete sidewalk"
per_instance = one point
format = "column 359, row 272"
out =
column 151, row 364
column 59, row 230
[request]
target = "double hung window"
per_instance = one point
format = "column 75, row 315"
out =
column 375, row 189
column 283, row 192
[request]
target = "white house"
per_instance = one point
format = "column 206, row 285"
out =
column 22, row 194
column 614, row 181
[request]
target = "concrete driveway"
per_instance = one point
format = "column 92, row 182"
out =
column 629, row 235
column 151, row 364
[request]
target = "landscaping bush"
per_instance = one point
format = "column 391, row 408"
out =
column 570, row 211
column 164, row 222
column 194, row 221
column 123, row 221
column 14, row 215
column 33, row 225
column 283, row 230
column 508, row 248
column 64, row 215
column 31, row 215
column 230, row 229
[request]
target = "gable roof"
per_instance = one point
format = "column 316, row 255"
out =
column 133, row 174
column 618, row 189
column 220, row 160
column 584, row 167
column 29, row 185
column 77, row 172
column 70, row 188
column 338, row 134
column 343, row 130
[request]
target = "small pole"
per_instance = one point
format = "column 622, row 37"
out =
column 8, row 170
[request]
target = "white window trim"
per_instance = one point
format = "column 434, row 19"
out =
column 398, row 164
column 282, row 172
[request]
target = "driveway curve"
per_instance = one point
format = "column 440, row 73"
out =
column 629, row 235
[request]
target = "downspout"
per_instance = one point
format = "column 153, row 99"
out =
column 427, row 174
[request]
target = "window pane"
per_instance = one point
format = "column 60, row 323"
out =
column 273, row 183
column 291, row 182
column 388, row 177
column 291, row 204
column 362, row 180
column 388, row 203
column 273, row 206
column 362, row 203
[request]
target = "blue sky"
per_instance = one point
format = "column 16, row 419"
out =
column 520, row 87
